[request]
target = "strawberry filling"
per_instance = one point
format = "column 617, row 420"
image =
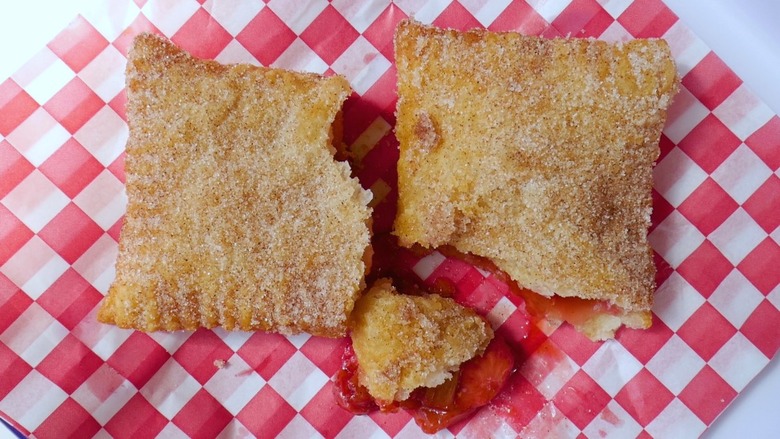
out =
column 474, row 385
column 349, row 394
column 574, row 310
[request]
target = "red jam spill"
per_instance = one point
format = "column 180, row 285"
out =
column 350, row 395
column 480, row 379
column 474, row 385
column 574, row 310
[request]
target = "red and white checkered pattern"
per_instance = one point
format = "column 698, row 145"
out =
column 62, row 133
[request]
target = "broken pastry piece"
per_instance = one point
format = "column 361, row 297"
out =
column 427, row 354
column 404, row 342
column 238, row 216
column 536, row 154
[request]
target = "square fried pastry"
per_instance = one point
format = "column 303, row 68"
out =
column 536, row 154
column 403, row 342
column 238, row 215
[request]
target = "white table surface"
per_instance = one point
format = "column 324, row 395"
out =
column 745, row 34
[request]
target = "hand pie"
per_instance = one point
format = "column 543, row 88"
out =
column 238, row 216
column 536, row 154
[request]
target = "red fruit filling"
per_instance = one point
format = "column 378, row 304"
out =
column 474, row 385
column 574, row 310
column 350, row 395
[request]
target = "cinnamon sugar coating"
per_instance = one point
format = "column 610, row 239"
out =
column 403, row 342
column 537, row 154
column 238, row 216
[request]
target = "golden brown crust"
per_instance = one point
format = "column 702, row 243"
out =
column 404, row 342
column 536, row 153
column 238, row 216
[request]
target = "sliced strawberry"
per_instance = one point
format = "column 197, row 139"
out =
column 481, row 378
column 441, row 397
column 393, row 406
column 349, row 393
column 431, row 420
column 476, row 384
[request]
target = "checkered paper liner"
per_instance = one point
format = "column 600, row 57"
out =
column 62, row 133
